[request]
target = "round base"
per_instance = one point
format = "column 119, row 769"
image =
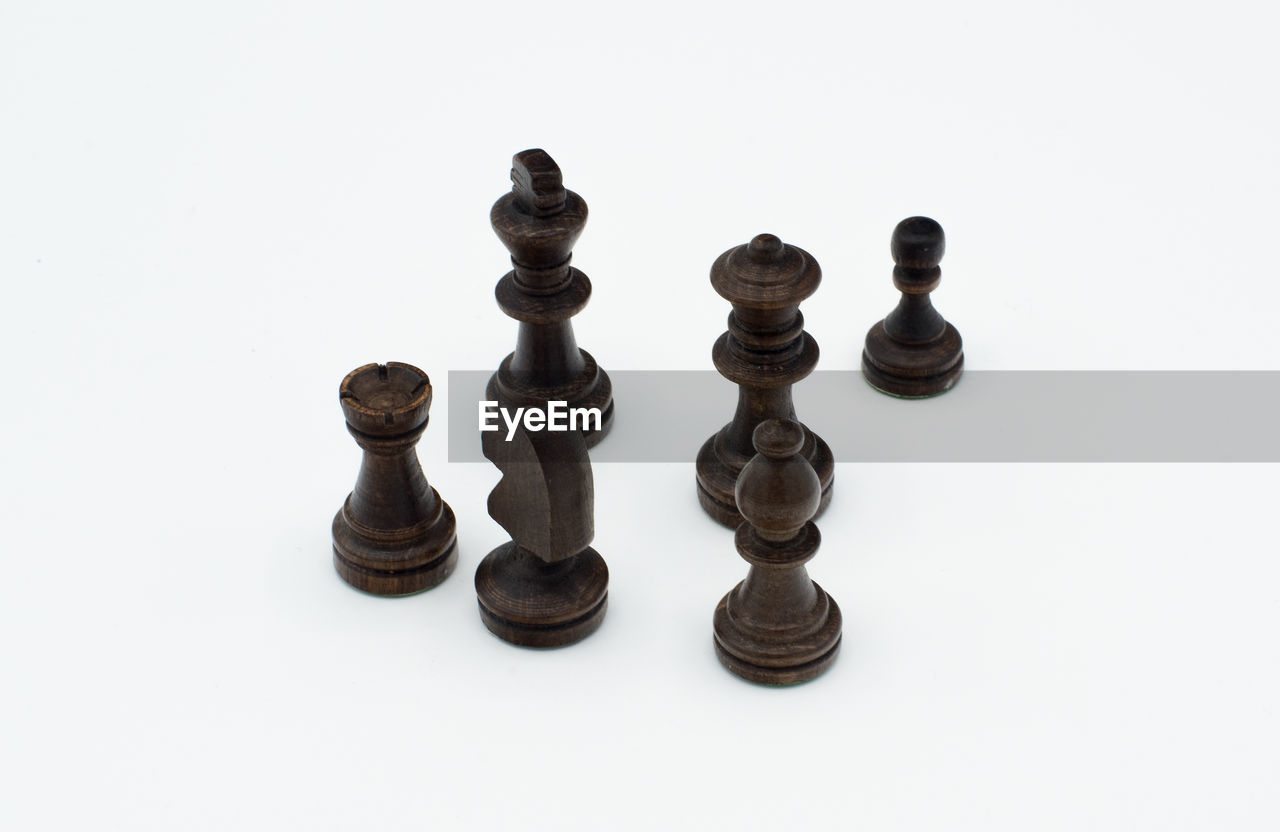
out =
column 527, row 601
column 718, row 475
column 912, row 371
column 780, row 657
column 389, row 563
column 774, row 675
column 404, row 582
column 773, row 657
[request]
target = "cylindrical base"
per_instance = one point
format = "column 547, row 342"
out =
column 396, row 563
column 527, row 601
column 779, row 656
column 912, row 371
column 717, row 473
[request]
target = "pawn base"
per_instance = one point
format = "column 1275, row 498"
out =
column 779, row 657
column 717, row 473
column 389, row 563
column 912, row 371
column 527, row 601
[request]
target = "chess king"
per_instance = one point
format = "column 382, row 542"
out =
column 538, row 222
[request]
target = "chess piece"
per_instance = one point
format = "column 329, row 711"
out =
column 913, row 353
column 538, row 222
column 778, row 627
column 393, row 535
column 547, row 587
column 765, row 351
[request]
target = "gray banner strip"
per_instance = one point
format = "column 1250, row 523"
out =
column 994, row 416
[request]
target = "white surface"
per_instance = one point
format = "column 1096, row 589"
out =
column 208, row 217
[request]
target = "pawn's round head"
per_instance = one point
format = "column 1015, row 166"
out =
column 778, row 438
column 918, row 243
column 778, row 491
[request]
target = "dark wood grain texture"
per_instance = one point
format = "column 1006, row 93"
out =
column 914, row 353
column 778, row 627
column 764, row 352
column 539, row 221
column 394, row 535
column 547, row 587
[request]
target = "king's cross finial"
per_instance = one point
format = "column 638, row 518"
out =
column 537, row 183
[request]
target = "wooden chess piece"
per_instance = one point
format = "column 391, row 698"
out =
column 913, row 353
column 778, row 627
column 538, row 222
column 547, row 587
column 764, row 352
column 393, row 535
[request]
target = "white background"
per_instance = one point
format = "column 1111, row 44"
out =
column 209, row 215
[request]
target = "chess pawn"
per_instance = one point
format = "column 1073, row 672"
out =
column 547, row 587
column 913, row 353
column 778, row 627
column 764, row 352
column 393, row 535
column 538, row 222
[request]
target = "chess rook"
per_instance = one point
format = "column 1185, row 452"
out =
column 764, row 352
column 778, row 627
column 547, row 587
column 393, row 535
column 538, row 222
column 913, row 353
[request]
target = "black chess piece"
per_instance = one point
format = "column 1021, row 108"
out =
column 778, row 627
column 914, row 353
column 393, row 535
column 547, row 587
column 538, row 222
column 764, row 352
